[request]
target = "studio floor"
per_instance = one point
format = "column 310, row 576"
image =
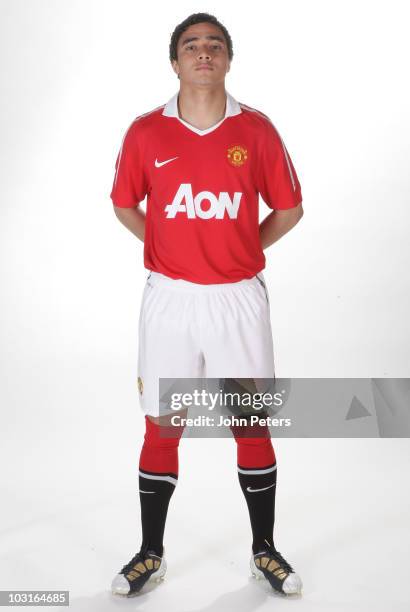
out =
column 342, row 522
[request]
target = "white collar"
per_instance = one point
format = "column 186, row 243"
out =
column 171, row 110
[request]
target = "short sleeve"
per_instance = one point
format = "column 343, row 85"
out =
column 130, row 184
column 278, row 183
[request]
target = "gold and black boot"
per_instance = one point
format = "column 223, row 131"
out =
column 270, row 564
column 144, row 566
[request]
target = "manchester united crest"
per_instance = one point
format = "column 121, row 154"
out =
column 237, row 155
column 140, row 385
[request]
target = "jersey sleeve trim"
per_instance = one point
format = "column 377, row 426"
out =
column 279, row 183
column 130, row 183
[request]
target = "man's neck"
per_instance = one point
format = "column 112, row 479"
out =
column 202, row 108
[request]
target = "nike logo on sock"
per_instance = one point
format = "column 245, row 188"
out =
column 159, row 164
column 146, row 491
column 256, row 490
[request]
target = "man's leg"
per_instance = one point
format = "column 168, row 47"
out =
column 168, row 348
column 238, row 345
column 256, row 463
column 158, row 477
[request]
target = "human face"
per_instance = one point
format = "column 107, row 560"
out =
column 202, row 55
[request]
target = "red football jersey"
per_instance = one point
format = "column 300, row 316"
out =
column 203, row 186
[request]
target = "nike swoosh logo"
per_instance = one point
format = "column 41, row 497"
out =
column 159, row 164
column 147, row 491
column 255, row 490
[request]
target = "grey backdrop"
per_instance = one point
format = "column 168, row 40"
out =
column 331, row 76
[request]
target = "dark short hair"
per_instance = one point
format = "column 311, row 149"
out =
column 193, row 20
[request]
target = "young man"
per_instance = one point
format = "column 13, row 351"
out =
column 203, row 159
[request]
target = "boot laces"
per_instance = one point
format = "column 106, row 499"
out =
column 278, row 557
column 140, row 556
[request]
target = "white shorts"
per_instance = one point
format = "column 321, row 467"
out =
column 189, row 330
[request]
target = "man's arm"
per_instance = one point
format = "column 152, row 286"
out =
column 133, row 219
column 278, row 223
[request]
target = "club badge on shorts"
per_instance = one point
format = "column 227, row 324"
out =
column 237, row 155
column 140, row 385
